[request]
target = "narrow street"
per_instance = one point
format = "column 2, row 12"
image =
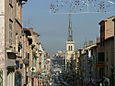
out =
column 57, row 42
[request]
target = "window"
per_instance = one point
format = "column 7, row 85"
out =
column 101, row 72
column 10, row 33
column 102, row 34
column 19, row 46
column 21, row 66
column 18, row 78
column 17, row 64
column 71, row 48
column 10, row 3
column 26, row 79
column 101, row 57
column 35, row 61
column 27, row 55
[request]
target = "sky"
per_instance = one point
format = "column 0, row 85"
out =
column 53, row 27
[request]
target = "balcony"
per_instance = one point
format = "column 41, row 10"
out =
column 11, row 54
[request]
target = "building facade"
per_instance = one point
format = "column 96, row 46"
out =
column 105, row 60
column 99, row 58
column 87, row 64
column 11, row 17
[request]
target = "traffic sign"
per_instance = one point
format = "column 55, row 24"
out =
column 33, row 69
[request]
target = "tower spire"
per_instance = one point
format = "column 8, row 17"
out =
column 70, row 33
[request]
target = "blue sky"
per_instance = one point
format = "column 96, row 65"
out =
column 53, row 27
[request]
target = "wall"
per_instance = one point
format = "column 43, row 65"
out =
column 109, row 28
column 2, row 42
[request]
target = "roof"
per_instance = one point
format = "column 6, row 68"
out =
column 91, row 46
column 109, row 18
column 28, row 28
column 36, row 34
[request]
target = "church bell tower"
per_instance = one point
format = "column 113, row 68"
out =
column 70, row 45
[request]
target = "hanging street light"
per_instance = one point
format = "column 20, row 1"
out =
column 81, row 6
